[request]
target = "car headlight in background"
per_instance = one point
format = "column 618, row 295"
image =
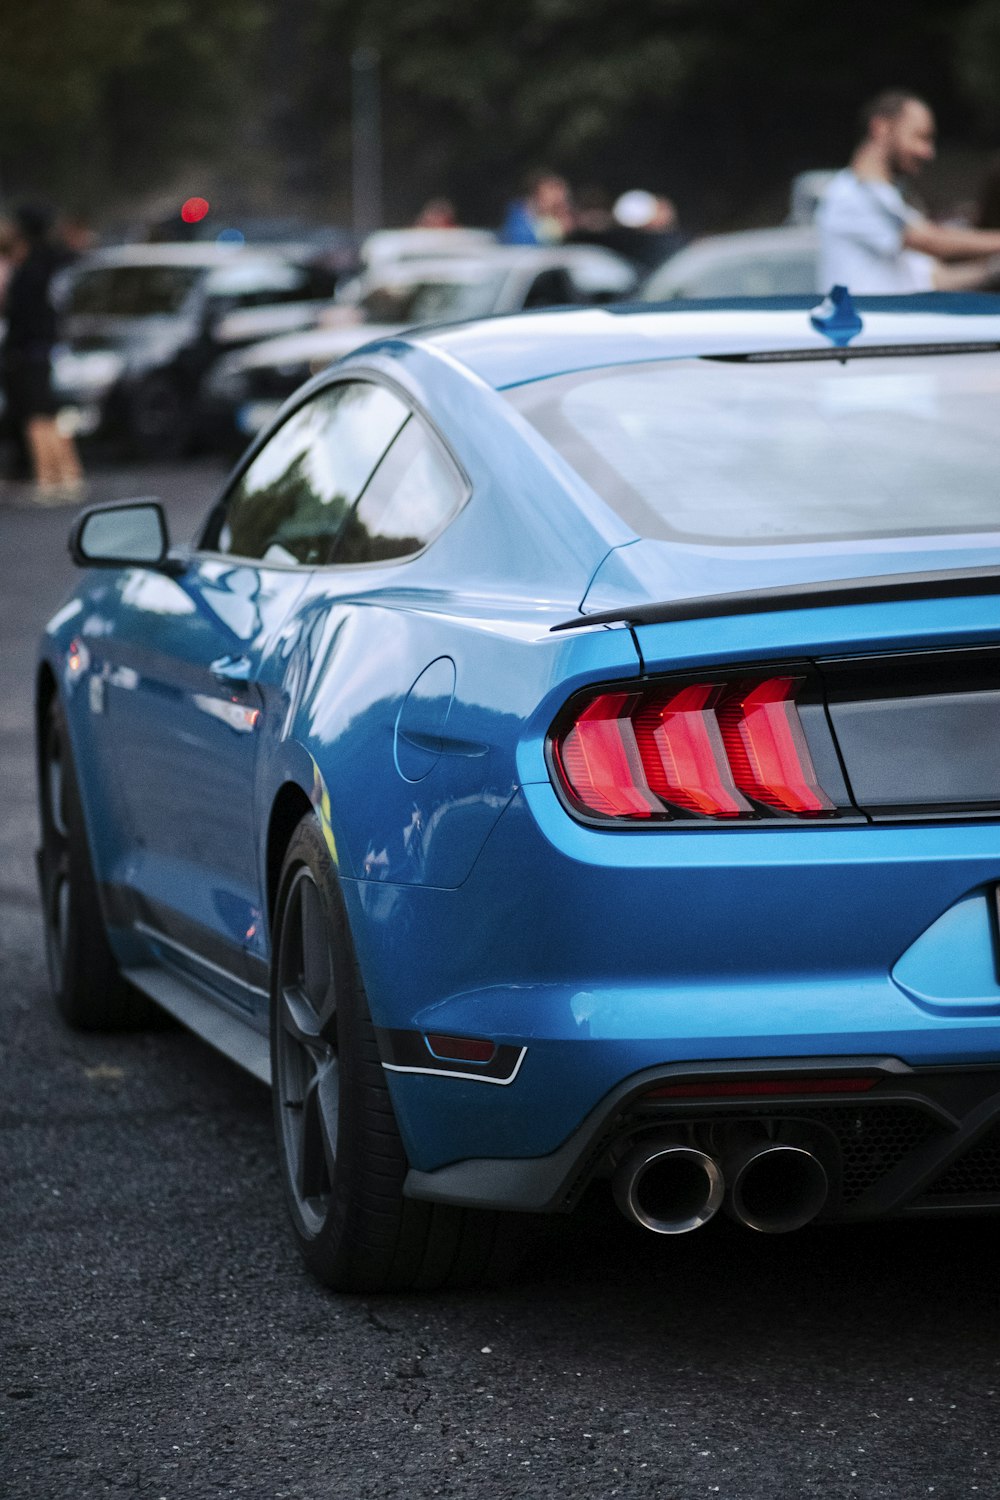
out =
column 87, row 375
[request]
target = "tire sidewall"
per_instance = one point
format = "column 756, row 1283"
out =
column 331, row 1242
column 86, row 983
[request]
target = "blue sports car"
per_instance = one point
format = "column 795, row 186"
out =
column 571, row 751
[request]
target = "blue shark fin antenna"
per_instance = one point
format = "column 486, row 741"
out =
column 836, row 317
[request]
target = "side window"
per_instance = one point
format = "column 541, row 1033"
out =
column 290, row 503
column 552, row 287
column 412, row 495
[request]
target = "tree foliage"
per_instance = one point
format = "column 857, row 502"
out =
column 712, row 99
column 96, row 91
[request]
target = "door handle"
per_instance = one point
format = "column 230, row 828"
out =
column 231, row 670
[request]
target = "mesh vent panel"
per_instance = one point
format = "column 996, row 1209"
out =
column 873, row 1141
column 978, row 1171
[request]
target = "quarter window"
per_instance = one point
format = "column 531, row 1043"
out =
column 412, row 495
column 291, row 502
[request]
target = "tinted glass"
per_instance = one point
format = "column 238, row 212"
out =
column 551, row 288
column 256, row 284
column 766, row 276
column 132, row 291
column 414, row 493
column 794, row 450
column 289, row 505
column 432, row 301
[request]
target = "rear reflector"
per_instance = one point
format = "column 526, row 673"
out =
column 746, row 1088
column 717, row 750
column 461, row 1048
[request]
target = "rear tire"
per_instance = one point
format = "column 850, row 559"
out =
column 87, row 985
column 341, row 1157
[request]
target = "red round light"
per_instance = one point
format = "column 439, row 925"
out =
column 193, row 210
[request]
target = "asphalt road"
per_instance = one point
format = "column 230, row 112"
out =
column 158, row 1337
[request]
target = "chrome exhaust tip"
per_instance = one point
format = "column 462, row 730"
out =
column 668, row 1187
column 775, row 1188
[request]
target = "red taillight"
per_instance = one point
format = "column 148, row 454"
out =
column 600, row 762
column 717, row 750
column 767, row 748
column 683, row 757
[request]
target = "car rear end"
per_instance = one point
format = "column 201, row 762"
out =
column 743, row 943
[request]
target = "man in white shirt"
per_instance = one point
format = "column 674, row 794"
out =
column 871, row 240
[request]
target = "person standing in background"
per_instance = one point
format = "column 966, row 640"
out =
column 27, row 359
column 7, row 241
column 543, row 216
column 649, row 232
column 871, row 240
column 437, row 213
column 641, row 226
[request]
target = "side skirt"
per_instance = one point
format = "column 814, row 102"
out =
column 228, row 1033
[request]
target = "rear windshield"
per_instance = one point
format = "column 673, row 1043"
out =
column 799, row 450
column 132, row 291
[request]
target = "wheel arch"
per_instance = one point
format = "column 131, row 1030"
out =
column 45, row 693
column 291, row 804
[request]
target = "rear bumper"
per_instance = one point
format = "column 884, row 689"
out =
column 919, row 1141
column 609, row 959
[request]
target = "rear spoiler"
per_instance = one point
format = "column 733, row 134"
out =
column 948, row 583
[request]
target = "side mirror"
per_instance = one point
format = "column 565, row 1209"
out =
column 133, row 534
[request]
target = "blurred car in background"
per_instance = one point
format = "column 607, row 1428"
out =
column 245, row 390
column 142, row 325
column 806, row 194
column 752, row 263
column 385, row 247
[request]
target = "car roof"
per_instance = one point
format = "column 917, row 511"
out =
column 724, row 249
column 456, row 268
column 489, row 258
column 385, row 245
column 196, row 254
column 742, row 241
column 534, row 346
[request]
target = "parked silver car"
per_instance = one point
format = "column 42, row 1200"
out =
column 245, row 390
column 751, row 263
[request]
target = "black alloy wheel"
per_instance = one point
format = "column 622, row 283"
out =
column 307, row 1067
column 86, row 983
column 341, row 1158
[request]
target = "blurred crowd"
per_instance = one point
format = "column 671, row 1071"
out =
column 244, row 313
column 32, row 251
column 640, row 225
column 49, row 381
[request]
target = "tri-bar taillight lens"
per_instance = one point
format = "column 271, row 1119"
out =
column 724, row 751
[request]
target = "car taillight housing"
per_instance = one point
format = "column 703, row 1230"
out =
column 723, row 751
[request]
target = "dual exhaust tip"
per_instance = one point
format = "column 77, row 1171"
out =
column 670, row 1187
